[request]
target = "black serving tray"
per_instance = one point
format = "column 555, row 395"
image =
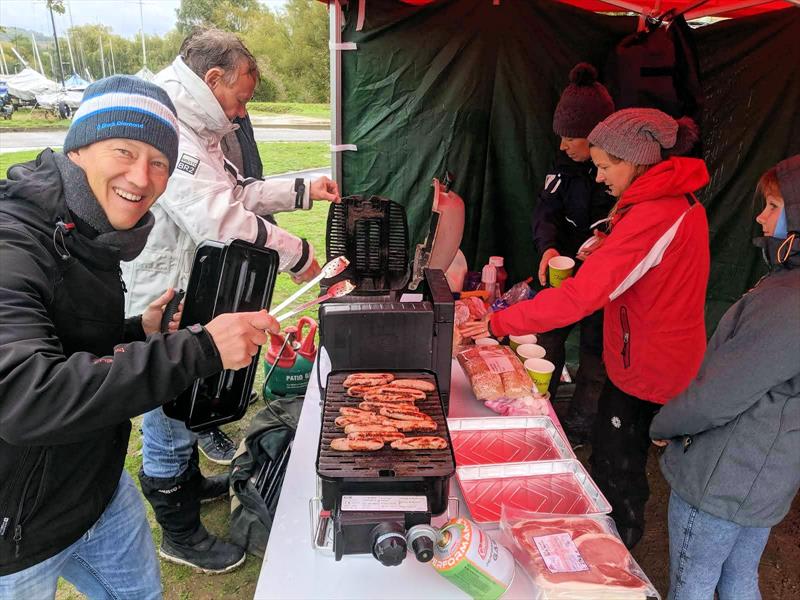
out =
column 233, row 276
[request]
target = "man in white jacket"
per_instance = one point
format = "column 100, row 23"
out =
column 206, row 199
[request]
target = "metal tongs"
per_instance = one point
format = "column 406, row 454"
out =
column 342, row 288
column 337, row 290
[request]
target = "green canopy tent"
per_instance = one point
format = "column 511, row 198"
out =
column 470, row 86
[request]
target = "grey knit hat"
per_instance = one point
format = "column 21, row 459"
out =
column 643, row 136
column 125, row 107
column 583, row 104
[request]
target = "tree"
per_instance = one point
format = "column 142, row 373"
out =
column 292, row 47
column 230, row 15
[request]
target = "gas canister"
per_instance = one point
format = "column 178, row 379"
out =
column 292, row 360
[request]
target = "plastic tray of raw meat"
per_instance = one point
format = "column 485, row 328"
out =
column 497, row 440
column 560, row 487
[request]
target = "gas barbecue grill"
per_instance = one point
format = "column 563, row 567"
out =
column 379, row 502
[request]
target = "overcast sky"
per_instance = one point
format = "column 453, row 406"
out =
column 121, row 15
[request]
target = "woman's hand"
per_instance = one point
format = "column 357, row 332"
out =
column 475, row 329
column 548, row 254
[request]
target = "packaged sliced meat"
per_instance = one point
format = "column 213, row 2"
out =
column 575, row 557
column 524, row 406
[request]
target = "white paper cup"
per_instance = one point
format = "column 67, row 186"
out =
column 487, row 341
column 541, row 372
column 560, row 268
column 526, row 351
column 517, row 340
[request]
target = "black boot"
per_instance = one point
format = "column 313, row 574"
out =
column 176, row 502
column 211, row 488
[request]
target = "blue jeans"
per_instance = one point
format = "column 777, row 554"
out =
column 166, row 445
column 115, row 559
column 708, row 553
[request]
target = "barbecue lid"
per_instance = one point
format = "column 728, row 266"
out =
column 444, row 234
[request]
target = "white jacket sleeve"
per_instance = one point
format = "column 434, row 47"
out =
column 204, row 202
column 270, row 196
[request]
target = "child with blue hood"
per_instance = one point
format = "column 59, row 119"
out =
column 732, row 438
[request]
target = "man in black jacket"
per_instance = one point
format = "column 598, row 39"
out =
column 569, row 204
column 72, row 369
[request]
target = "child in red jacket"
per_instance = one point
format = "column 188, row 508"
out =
column 649, row 275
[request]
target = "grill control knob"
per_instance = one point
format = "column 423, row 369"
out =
column 389, row 543
column 421, row 538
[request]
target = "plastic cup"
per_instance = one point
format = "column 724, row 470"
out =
column 517, row 340
column 560, row 268
column 526, row 351
column 487, row 341
column 541, row 372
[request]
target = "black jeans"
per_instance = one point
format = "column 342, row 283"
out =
column 591, row 375
column 621, row 441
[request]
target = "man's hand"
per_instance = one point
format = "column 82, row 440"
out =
column 324, row 188
column 312, row 271
column 548, row 254
column 238, row 336
column 151, row 317
column 661, row 443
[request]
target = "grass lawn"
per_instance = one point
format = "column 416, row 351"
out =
column 319, row 111
column 25, row 118
column 181, row 582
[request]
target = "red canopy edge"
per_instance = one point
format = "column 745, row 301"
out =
column 722, row 8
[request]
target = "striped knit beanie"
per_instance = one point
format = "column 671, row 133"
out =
column 583, row 104
column 125, row 107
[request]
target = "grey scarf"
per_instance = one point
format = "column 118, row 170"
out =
column 84, row 206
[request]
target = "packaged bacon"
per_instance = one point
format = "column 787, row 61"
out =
column 499, row 380
column 575, row 557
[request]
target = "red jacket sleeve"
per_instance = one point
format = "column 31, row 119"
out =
column 636, row 244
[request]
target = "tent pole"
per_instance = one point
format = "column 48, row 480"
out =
column 718, row 10
column 335, row 36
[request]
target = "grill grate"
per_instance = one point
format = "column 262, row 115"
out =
column 372, row 233
column 385, row 463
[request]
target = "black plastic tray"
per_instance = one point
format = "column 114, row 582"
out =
column 235, row 276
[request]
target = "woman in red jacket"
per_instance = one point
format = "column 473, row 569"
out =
column 649, row 275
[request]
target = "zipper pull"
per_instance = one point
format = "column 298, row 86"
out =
column 4, row 526
column 17, row 540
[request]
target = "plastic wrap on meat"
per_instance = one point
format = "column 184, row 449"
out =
column 573, row 557
column 525, row 406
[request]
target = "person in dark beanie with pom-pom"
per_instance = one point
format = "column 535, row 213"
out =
column 649, row 275
column 569, row 204
column 72, row 368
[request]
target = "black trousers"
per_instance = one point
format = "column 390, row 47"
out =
column 620, row 443
column 591, row 375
